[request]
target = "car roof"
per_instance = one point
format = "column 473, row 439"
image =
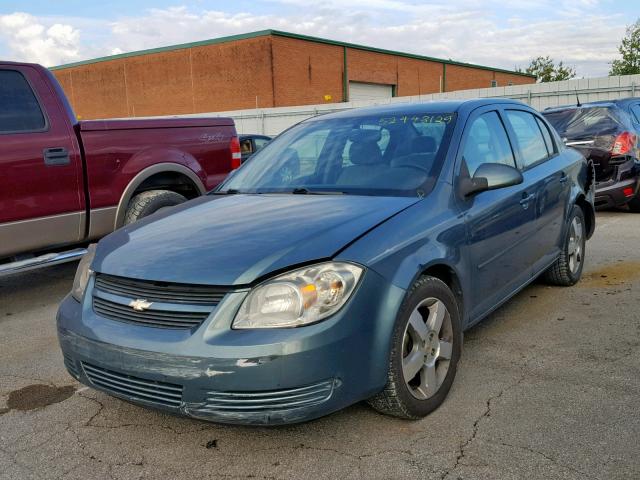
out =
column 437, row 106
column 620, row 102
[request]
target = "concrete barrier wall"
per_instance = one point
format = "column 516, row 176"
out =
column 272, row 121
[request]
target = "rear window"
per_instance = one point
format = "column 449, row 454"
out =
column 579, row 122
column 635, row 111
column 19, row 109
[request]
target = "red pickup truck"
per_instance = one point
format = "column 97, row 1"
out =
column 66, row 182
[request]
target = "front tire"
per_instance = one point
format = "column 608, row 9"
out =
column 567, row 269
column 146, row 203
column 426, row 347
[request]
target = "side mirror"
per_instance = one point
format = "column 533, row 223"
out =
column 491, row 176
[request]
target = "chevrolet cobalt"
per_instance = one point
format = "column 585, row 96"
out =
column 340, row 263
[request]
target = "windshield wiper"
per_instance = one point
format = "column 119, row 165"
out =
column 306, row 191
column 230, row 191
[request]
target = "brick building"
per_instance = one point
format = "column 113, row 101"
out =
column 262, row 69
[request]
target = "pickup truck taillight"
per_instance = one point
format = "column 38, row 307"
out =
column 624, row 143
column 236, row 154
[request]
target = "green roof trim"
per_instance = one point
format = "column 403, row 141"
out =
column 170, row 48
column 279, row 33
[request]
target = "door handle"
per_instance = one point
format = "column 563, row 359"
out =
column 526, row 199
column 58, row 156
column 564, row 178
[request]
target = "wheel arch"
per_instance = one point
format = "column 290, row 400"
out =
column 450, row 277
column 171, row 174
column 589, row 214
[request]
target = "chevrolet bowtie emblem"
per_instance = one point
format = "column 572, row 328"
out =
column 140, row 305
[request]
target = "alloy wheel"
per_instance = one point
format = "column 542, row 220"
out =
column 427, row 347
column 575, row 247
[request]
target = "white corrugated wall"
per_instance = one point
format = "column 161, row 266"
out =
column 272, row 121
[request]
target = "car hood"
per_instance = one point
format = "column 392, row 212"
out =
column 236, row 239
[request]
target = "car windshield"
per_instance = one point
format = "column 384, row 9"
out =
column 393, row 154
column 575, row 123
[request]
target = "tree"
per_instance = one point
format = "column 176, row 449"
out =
column 629, row 64
column 545, row 70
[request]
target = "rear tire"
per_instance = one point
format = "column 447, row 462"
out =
column 426, row 346
column 567, row 269
column 146, row 203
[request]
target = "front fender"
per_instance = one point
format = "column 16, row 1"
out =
column 404, row 247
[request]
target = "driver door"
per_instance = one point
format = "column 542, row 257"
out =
column 497, row 221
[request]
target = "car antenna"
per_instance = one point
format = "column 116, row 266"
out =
column 578, row 99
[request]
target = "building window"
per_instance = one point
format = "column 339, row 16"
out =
column 494, row 83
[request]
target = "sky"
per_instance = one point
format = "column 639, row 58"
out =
column 584, row 34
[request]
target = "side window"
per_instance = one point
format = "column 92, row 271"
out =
column 528, row 137
column 260, row 143
column 487, row 142
column 19, row 109
column 245, row 146
column 635, row 111
column 548, row 139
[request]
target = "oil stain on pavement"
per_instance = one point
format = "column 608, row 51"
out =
column 36, row 396
column 612, row 275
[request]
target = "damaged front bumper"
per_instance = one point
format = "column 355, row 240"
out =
column 264, row 377
column 188, row 385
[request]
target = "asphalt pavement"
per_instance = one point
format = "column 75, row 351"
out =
column 548, row 388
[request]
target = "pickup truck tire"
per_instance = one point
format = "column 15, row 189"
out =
column 146, row 203
column 567, row 269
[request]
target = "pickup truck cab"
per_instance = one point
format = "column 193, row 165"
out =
column 66, row 182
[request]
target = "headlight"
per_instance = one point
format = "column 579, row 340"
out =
column 83, row 273
column 300, row 297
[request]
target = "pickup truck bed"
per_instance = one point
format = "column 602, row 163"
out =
column 67, row 182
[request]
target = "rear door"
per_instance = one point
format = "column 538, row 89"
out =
column 41, row 202
column 547, row 173
column 498, row 222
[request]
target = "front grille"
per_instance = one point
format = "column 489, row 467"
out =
column 167, row 394
column 151, row 318
column 160, row 291
column 172, row 305
column 272, row 400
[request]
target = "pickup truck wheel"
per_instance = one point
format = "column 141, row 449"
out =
column 146, row 203
column 425, row 349
column 567, row 269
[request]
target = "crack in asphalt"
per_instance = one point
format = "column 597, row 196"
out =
column 98, row 412
column 476, row 424
column 412, row 460
column 548, row 458
column 89, row 423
